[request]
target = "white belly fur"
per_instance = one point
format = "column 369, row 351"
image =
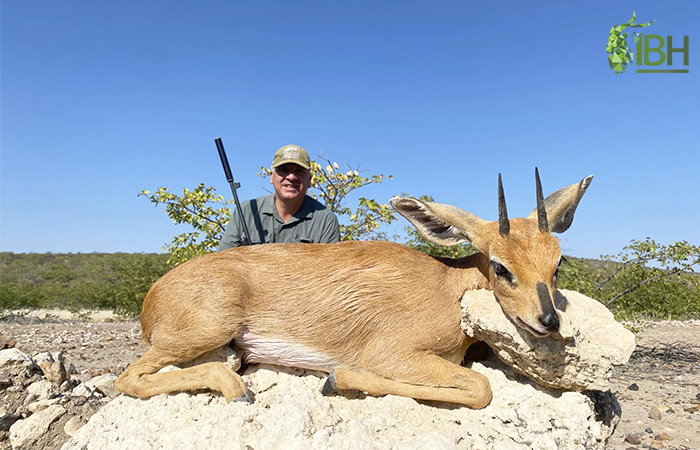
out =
column 263, row 350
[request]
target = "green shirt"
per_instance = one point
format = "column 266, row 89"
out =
column 313, row 223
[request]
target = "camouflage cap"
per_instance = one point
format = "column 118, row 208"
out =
column 291, row 154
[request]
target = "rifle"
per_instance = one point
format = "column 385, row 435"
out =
column 234, row 186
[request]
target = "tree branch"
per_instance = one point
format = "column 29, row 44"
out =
column 641, row 283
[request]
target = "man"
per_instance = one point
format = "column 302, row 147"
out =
column 288, row 215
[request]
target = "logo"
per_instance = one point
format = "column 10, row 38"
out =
column 291, row 153
column 620, row 55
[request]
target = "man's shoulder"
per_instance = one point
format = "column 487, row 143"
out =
column 317, row 207
column 259, row 204
column 319, row 211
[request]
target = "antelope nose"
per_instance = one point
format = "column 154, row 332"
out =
column 550, row 321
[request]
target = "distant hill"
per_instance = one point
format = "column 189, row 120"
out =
column 75, row 281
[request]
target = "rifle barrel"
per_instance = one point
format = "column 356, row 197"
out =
column 234, row 186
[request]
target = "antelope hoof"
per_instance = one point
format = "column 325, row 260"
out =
column 330, row 386
column 247, row 397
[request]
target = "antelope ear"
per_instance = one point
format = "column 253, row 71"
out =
column 562, row 204
column 438, row 223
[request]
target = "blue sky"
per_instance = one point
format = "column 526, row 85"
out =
column 100, row 100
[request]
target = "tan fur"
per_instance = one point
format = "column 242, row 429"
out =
column 379, row 316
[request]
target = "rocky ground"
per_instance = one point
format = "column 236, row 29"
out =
column 659, row 390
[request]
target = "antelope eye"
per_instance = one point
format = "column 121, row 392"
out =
column 501, row 271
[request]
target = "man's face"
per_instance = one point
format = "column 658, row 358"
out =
column 290, row 181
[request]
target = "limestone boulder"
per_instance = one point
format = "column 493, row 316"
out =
column 580, row 357
column 25, row 433
column 289, row 412
column 12, row 360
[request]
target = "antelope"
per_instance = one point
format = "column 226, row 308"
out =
column 379, row 317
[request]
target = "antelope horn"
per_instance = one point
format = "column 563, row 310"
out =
column 541, row 211
column 503, row 223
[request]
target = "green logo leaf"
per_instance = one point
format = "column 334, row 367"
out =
column 619, row 54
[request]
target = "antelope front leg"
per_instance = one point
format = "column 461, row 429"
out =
column 140, row 380
column 437, row 379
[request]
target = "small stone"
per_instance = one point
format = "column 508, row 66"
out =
column 633, row 387
column 30, row 398
column 6, row 342
column 103, row 384
column 663, row 437
column 649, row 430
column 41, row 405
column 82, row 390
column 655, row 413
column 42, row 390
column 633, row 438
column 656, row 444
column 54, row 371
column 72, row 426
column 663, row 408
column 79, row 400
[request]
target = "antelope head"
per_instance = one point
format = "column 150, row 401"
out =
column 521, row 256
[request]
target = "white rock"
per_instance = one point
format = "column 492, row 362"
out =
column 35, row 407
column 42, row 390
column 83, row 390
column 14, row 359
column 290, row 413
column 103, row 384
column 25, row 433
column 580, row 357
column 72, row 426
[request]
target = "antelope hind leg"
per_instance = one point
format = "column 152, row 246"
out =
column 140, row 380
column 458, row 385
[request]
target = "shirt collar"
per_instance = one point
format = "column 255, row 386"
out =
column 305, row 212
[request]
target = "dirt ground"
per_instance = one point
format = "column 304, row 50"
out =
column 659, row 390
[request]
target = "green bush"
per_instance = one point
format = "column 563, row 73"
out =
column 78, row 281
column 644, row 280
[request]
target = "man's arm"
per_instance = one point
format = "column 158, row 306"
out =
column 330, row 230
column 232, row 236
